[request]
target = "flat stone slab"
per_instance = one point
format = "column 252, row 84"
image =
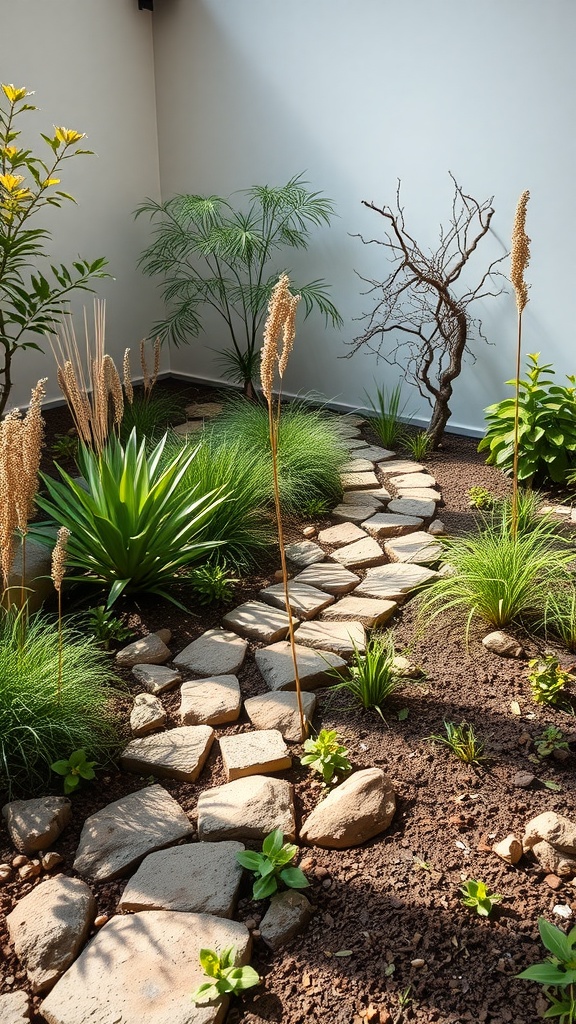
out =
column 344, row 533
column 377, row 454
column 177, row 754
column 156, row 678
column 368, row 610
column 49, row 926
column 303, row 553
column 280, row 711
column 358, row 465
column 399, row 466
column 14, row 1008
column 190, row 427
column 35, row 824
column 276, row 666
column 254, row 753
column 149, row 650
column 147, row 714
column 361, row 554
column 340, row 638
column 143, row 967
column 377, row 496
column 412, row 480
column 354, row 444
column 347, row 429
column 384, row 524
column 415, row 547
column 248, row 808
column 116, row 838
column 329, row 576
column 199, row 878
column 218, row 652
column 358, row 481
column 203, row 410
column 212, row 701
column 394, row 582
column 305, row 601
column 419, row 507
column 353, row 513
column 419, row 493
column 259, row 621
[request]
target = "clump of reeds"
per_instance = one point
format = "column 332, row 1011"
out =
column 519, row 259
column 57, row 574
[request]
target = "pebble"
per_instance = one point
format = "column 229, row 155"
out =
column 278, row 575
column 309, row 531
column 51, row 860
column 30, row 870
column 307, row 864
column 5, row 872
column 522, row 780
column 250, row 924
column 561, row 910
column 553, row 882
column 19, row 861
column 256, row 933
column 327, row 883
column 418, row 962
column 321, row 872
column 101, row 920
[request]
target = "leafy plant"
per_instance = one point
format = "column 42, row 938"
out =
column 132, row 528
column 149, row 414
column 547, row 426
column 213, row 583
column 326, row 755
column 75, row 768
column 315, row 507
column 476, row 895
column 387, row 411
column 419, row 445
column 105, row 626
column 271, row 866
column 373, row 675
column 547, row 680
column 462, row 741
column 480, row 498
column 208, row 252
column 31, row 302
column 226, row 979
column 557, row 973
column 64, row 446
column 549, row 740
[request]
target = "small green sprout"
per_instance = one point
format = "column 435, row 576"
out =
column 475, row 894
column 326, row 755
column 547, row 680
column 462, row 741
column 557, row 973
column 226, row 979
column 549, row 740
column 271, row 866
column 480, row 498
column 74, row 769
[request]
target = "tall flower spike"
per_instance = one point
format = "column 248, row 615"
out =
column 288, row 334
column 520, row 255
column 127, row 377
column 156, row 371
column 144, row 365
column 10, row 474
column 114, row 387
column 33, row 438
column 277, row 311
column 59, row 558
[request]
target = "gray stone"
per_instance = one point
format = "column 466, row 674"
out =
column 398, row 467
column 412, row 480
column 276, row 666
column 358, row 481
column 305, row 601
column 374, row 497
column 385, row 525
column 303, row 553
column 394, row 582
column 367, row 610
column 361, row 554
column 523, row 780
column 143, row 967
column 358, row 465
column 177, row 754
column 414, row 548
column 218, row 652
column 35, row 824
column 213, row 701
column 259, row 622
column 280, row 711
column 203, row 410
column 287, row 915
column 503, row 644
column 38, row 586
column 340, row 638
column 147, row 714
column 377, row 454
column 346, row 429
column 437, row 528
column 419, row 494
column 333, row 578
column 156, row 678
column 49, row 926
column 254, row 753
column 190, row 427
column 248, row 808
column 344, row 533
column 116, row 838
column 352, row 513
column 361, row 807
column 419, row 507
column 353, row 444
column 14, row 1008
column 199, row 878
column 149, row 650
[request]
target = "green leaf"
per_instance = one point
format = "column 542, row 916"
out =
column 402, row 714
column 264, row 887
column 243, row 978
column 555, row 940
column 294, row 878
column 205, row 993
column 209, row 962
column 548, row 974
column 61, row 767
column 251, row 861
column 273, row 843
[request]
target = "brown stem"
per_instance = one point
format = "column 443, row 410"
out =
column 514, row 519
column 60, row 645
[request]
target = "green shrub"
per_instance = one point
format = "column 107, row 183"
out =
column 36, row 727
column 213, row 583
column 326, row 755
column 480, row 498
column 225, row 978
column 150, row 415
column 373, row 675
column 419, row 445
column 547, row 680
column 272, row 866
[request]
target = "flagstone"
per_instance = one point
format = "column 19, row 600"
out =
column 397, row 466
column 15, row 1008
column 258, row 621
column 148, row 650
column 376, row 496
column 254, row 753
column 368, row 610
column 377, row 454
column 358, row 465
column 361, row 554
column 147, row 714
column 176, row 754
column 344, row 533
column 420, row 493
column 156, row 678
column 415, row 547
column 280, row 711
column 218, row 652
column 354, row 444
column 303, row 553
column 385, row 525
column 203, row 410
column 394, row 582
column 247, row 809
column 412, row 480
column 212, row 701
column 305, row 601
column 199, row 878
column 190, row 427
column 353, row 513
column 358, row 481
column 276, row 666
column 329, row 576
column 340, row 638
column 420, row 507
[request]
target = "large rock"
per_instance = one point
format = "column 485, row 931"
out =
column 245, row 809
column 176, row 754
column 38, row 586
column 149, row 650
column 419, row 494
column 147, row 714
column 259, row 622
column 343, row 533
column 212, row 701
column 553, row 828
column 276, row 665
column 368, row 610
column 116, row 838
column 14, row 1008
column 156, row 678
column 218, row 652
column 254, row 753
column 411, row 480
column 341, row 638
column 361, row 554
column 358, row 481
column 329, row 576
column 378, row 454
column 398, row 467
column 35, row 824
column 287, row 915
column 361, row 807
column 280, row 711
column 420, row 508
column 199, row 878
column 143, row 968
column 49, row 926
column 503, row 644
column 552, row 861
column 305, row 601
column 358, row 465
column 353, row 512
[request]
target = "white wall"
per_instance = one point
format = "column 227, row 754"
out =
column 90, row 63
column 358, row 93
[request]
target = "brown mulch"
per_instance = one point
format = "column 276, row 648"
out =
column 389, row 940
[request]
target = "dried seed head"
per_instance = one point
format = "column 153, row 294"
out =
column 288, row 334
column 127, row 377
column 144, row 365
column 11, row 500
column 520, row 255
column 114, row 387
column 59, row 558
column 278, row 311
column 33, row 439
column 156, row 363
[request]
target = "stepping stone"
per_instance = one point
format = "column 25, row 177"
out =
column 340, row 638
column 303, row 553
column 418, row 548
column 354, row 419
column 277, row 668
column 149, row 650
column 287, row 915
column 354, row 444
column 358, row 481
column 156, row 678
column 377, row 454
column 147, row 714
column 259, row 622
column 374, row 497
column 203, row 410
column 412, row 480
column 246, row 809
column 420, row 493
column 15, row 1008
column 385, row 525
column 332, row 578
column 394, row 582
column 280, row 711
column 353, row 513
column 199, row 878
column 305, row 601
column 116, row 838
column 398, row 466
column 254, row 753
column 49, row 926
column 347, row 429
column 218, row 652
column 344, row 533
column 212, row 701
column 35, row 824
column 359, row 808
column 177, row 754
column 361, row 554
column 143, row 967
column 368, row 610
column 418, row 507
column 358, row 465
column 190, row 427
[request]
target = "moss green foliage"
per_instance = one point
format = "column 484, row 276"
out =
column 105, row 626
column 225, row 977
column 462, row 741
column 65, row 446
column 73, row 769
column 476, row 895
column 547, row 680
column 326, row 755
column 272, row 866
column 150, row 415
column 557, row 973
column 36, row 724
column 373, row 676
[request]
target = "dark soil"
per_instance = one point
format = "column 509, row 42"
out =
column 390, row 940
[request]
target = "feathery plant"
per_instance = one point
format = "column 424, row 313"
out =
column 373, row 675
column 519, row 260
column 58, row 572
column 386, row 415
column 419, row 445
column 210, row 253
column 560, row 614
column 146, row 410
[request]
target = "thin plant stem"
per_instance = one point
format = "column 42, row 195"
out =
column 60, row 646
column 514, row 513
column 23, row 570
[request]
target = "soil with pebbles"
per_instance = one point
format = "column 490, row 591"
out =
column 389, row 940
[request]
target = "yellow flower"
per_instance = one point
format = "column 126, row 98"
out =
column 14, row 95
column 10, row 152
column 67, row 135
column 10, row 184
column 50, row 181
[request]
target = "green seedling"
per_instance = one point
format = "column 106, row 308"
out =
column 106, row 626
column 326, row 755
column 65, row 446
column 225, row 978
column 480, row 498
column 475, row 895
column 557, row 973
column 547, row 680
column 74, row 769
column 462, row 741
column 213, row 583
column 272, row 866
column 549, row 740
